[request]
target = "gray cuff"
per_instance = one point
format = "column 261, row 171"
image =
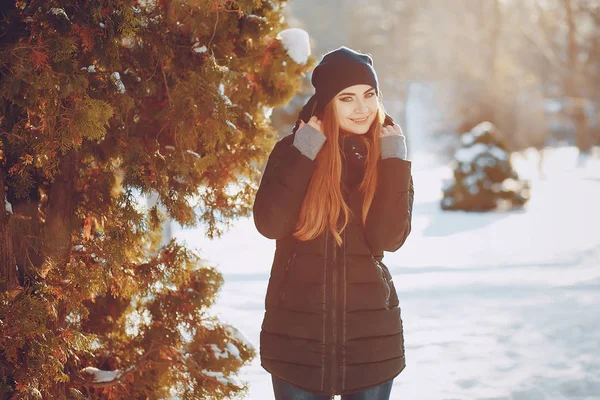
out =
column 309, row 141
column 393, row 146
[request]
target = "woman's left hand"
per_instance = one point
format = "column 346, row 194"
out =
column 389, row 130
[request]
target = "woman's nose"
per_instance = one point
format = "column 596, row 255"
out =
column 361, row 107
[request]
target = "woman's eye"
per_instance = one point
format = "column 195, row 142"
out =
column 371, row 94
column 346, row 99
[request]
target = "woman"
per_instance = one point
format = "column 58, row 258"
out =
column 335, row 194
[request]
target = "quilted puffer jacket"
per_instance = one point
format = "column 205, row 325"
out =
column 332, row 322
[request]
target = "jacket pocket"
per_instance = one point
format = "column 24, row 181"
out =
column 385, row 279
column 284, row 280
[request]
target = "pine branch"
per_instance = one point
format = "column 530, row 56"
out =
column 165, row 81
column 121, row 377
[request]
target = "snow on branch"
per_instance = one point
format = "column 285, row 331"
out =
column 296, row 43
column 102, row 375
column 239, row 336
column 219, row 376
column 101, row 378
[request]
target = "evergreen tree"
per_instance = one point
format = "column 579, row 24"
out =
column 284, row 118
column 483, row 176
column 104, row 102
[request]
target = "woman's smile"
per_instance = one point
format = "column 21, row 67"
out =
column 360, row 121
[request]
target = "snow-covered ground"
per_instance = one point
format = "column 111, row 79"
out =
column 494, row 305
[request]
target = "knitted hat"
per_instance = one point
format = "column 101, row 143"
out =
column 338, row 69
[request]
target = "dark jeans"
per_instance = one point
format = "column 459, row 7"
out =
column 285, row 391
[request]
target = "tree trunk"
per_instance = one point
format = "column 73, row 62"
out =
column 8, row 271
column 582, row 133
column 61, row 220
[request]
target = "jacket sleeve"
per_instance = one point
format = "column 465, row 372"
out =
column 389, row 219
column 283, row 186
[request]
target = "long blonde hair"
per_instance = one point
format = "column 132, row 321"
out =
column 324, row 202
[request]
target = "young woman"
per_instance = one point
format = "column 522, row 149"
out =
column 335, row 194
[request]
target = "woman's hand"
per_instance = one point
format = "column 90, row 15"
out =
column 389, row 130
column 314, row 122
column 393, row 142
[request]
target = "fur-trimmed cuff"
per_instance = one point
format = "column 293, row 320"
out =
column 309, row 141
column 393, row 146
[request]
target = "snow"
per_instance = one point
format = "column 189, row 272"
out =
column 128, row 42
column 473, row 189
column 296, row 42
column 90, row 68
column 102, row 375
column 189, row 152
column 231, row 125
column 116, row 78
column 498, row 305
column 230, row 349
column 510, row 184
column 473, row 178
column 234, row 351
column 467, row 139
column 199, row 49
column 7, row 205
column 468, row 154
column 222, row 379
column 223, row 95
column 148, row 4
column 236, row 334
column 267, row 111
column 497, row 152
column 218, row 352
column 59, row 11
column 482, row 128
column 254, row 16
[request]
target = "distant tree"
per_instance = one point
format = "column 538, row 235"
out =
column 284, row 117
column 483, row 176
column 566, row 33
column 387, row 29
column 102, row 103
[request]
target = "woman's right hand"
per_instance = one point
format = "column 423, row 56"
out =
column 314, row 122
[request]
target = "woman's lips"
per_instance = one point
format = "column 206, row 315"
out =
column 360, row 121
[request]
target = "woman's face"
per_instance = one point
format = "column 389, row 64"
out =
column 356, row 108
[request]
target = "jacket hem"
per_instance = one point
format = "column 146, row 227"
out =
column 291, row 383
column 375, row 384
column 336, row 394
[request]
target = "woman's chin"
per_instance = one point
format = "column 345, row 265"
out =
column 357, row 130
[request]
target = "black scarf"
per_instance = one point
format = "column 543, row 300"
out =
column 354, row 158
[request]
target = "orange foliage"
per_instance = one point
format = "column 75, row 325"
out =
column 39, row 58
column 86, row 34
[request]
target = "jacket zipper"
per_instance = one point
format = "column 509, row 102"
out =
column 285, row 276
column 343, row 312
column 325, row 278
column 334, row 316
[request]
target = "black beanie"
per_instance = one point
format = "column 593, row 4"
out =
column 338, row 69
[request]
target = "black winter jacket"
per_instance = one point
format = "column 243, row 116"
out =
column 332, row 322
